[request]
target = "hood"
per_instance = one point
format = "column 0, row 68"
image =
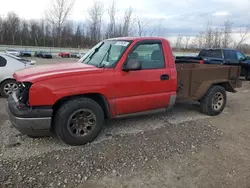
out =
column 41, row 72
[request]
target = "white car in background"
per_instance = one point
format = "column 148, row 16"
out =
column 8, row 65
column 12, row 52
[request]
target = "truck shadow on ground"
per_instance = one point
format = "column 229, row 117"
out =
column 16, row 144
column 182, row 112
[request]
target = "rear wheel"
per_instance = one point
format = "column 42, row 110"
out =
column 7, row 87
column 214, row 101
column 79, row 121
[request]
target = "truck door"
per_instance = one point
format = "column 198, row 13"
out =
column 234, row 58
column 244, row 63
column 146, row 89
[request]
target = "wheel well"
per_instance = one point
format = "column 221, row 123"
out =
column 6, row 80
column 227, row 86
column 99, row 98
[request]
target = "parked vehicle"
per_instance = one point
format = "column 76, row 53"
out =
column 8, row 65
column 73, row 55
column 25, row 53
column 220, row 56
column 12, row 52
column 117, row 77
column 43, row 54
column 64, row 54
column 77, row 55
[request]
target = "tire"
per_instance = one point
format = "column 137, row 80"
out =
column 4, row 86
column 206, row 102
column 67, row 131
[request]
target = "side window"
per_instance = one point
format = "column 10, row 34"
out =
column 3, row 62
column 150, row 56
column 230, row 54
column 240, row 56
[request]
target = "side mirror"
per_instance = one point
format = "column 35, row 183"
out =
column 132, row 65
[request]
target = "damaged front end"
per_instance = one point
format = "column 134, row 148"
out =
column 21, row 95
column 29, row 120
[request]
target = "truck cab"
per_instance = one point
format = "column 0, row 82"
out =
column 140, row 67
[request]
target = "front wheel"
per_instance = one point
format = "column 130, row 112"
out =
column 79, row 121
column 214, row 101
column 7, row 87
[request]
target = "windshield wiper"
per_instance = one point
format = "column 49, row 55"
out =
column 106, row 54
column 91, row 55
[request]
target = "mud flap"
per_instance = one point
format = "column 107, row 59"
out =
column 171, row 102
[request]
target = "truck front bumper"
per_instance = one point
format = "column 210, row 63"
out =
column 33, row 122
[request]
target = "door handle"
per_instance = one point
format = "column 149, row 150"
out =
column 164, row 77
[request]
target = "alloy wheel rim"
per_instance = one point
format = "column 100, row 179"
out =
column 81, row 122
column 218, row 101
column 9, row 88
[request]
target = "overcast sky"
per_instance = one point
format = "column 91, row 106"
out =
column 184, row 17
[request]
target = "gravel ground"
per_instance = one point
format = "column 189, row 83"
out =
column 181, row 148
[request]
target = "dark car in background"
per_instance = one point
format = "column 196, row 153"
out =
column 221, row 56
column 43, row 54
column 25, row 53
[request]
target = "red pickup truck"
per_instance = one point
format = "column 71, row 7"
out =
column 119, row 76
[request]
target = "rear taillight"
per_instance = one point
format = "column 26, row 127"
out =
column 201, row 61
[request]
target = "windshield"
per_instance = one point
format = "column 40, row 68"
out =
column 105, row 53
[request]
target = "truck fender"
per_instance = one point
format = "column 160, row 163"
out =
column 228, row 87
column 204, row 87
column 106, row 105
